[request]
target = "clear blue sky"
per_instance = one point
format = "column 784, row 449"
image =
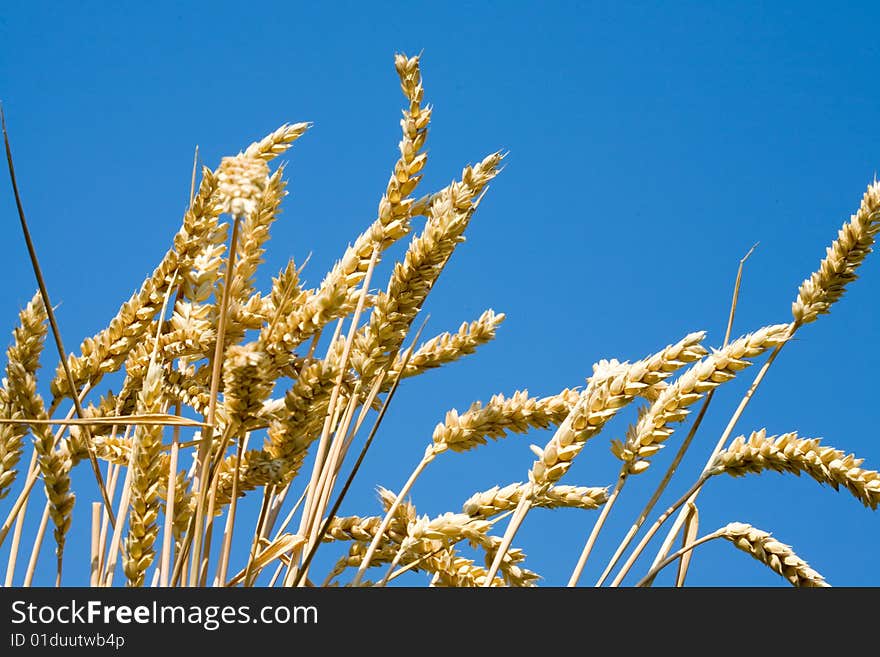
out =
column 651, row 144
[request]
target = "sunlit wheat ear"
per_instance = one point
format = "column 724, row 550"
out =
column 425, row 535
column 246, row 306
column 510, row 569
column 449, row 347
column 777, row 556
column 23, row 360
column 25, row 402
column 106, row 352
column 276, row 143
column 452, row 570
column 412, row 279
column 337, row 294
column 146, row 483
column 612, row 386
column 11, row 444
column 497, row 500
column 646, row 438
column 854, row 242
column 460, row 432
column 787, row 453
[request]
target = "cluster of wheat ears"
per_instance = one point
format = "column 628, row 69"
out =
column 203, row 353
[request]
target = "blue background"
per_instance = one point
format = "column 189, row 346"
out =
column 650, row 145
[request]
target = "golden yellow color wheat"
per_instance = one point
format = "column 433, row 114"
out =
column 227, row 391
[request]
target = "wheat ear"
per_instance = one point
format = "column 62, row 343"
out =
column 449, row 347
column 337, row 294
column 497, row 500
column 612, row 386
column 646, row 438
column 23, row 360
column 779, row 557
column 788, row 453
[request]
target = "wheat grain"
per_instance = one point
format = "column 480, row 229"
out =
column 241, row 183
column 11, row 444
column 337, row 294
column 412, row 280
column 245, row 307
column 25, row 402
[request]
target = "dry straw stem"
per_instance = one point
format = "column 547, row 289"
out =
column 787, row 453
column 815, row 296
column 315, row 502
column 691, row 527
column 387, row 496
column 779, row 557
column 241, row 181
column 13, row 548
